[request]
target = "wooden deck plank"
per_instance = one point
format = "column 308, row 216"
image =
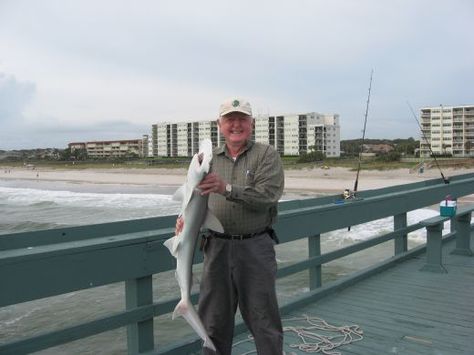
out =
column 391, row 321
column 422, row 303
column 383, row 335
column 402, row 310
column 410, row 297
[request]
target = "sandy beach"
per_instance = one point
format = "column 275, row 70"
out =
column 318, row 180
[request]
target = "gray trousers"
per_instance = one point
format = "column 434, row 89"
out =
column 241, row 273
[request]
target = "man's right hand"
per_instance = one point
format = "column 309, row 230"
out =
column 179, row 225
column 212, row 182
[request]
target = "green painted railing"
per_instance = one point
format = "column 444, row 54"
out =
column 46, row 263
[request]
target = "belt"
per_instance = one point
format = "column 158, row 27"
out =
column 235, row 236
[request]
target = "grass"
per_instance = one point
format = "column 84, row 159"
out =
column 67, row 165
column 292, row 163
column 288, row 163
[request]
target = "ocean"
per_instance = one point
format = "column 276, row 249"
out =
column 28, row 205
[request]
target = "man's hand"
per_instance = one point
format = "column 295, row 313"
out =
column 212, row 183
column 179, row 225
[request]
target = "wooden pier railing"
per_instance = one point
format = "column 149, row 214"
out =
column 47, row 263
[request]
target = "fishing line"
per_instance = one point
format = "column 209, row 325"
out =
column 347, row 194
column 446, row 181
column 356, row 183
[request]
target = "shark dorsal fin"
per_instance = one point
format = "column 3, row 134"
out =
column 211, row 222
column 183, row 194
column 179, row 193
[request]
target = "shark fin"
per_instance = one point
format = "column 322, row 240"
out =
column 209, row 344
column 211, row 222
column 179, row 193
column 184, row 194
column 173, row 244
column 180, row 310
column 185, row 309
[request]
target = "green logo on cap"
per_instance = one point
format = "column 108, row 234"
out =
column 235, row 103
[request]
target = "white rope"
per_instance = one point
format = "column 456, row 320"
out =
column 249, row 338
column 312, row 342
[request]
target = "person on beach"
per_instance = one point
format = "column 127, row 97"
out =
column 244, row 184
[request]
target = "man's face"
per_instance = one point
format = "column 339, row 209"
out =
column 236, row 127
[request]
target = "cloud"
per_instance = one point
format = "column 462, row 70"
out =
column 14, row 98
column 83, row 66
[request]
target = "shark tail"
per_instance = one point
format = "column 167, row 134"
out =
column 186, row 310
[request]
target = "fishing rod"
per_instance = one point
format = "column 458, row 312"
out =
column 348, row 194
column 446, row 181
column 356, row 182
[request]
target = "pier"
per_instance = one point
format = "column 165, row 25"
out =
column 417, row 301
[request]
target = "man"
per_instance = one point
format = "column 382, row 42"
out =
column 245, row 183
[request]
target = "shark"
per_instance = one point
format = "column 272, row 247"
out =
column 196, row 215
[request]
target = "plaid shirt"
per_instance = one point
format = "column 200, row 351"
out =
column 257, row 181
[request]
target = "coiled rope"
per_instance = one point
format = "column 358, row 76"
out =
column 313, row 342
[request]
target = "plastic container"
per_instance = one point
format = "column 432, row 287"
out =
column 447, row 207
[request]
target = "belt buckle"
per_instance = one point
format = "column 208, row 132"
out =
column 237, row 236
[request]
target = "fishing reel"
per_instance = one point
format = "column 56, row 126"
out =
column 348, row 194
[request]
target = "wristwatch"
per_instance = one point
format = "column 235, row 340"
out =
column 228, row 190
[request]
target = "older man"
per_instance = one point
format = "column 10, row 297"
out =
column 245, row 183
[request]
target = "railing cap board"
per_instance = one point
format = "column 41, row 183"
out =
column 60, row 235
column 312, row 220
column 461, row 210
column 433, row 221
column 75, row 246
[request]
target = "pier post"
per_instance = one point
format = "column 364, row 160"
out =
column 463, row 235
column 400, row 241
column 433, row 247
column 139, row 292
column 314, row 249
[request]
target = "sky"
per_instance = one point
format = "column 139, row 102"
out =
column 85, row 70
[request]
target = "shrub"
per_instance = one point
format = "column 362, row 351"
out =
column 311, row 157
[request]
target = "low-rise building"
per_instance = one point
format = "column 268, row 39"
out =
column 111, row 149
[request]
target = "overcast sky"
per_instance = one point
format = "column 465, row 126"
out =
column 108, row 69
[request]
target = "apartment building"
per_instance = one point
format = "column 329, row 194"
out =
column 147, row 146
column 182, row 138
column 292, row 134
column 295, row 134
column 76, row 146
column 110, row 149
column 449, row 130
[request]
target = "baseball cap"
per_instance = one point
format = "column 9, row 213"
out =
column 235, row 105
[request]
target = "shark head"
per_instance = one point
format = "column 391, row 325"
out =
column 200, row 164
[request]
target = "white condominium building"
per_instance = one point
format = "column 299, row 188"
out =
column 448, row 129
column 147, row 146
column 293, row 134
column 182, row 139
